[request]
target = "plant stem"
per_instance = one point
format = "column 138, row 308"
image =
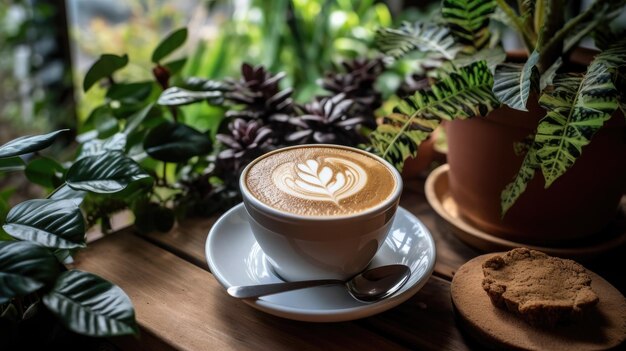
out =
column 526, row 13
column 56, row 190
column 540, row 8
column 529, row 38
column 569, row 26
column 554, row 46
column 165, row 174
column 174, row 113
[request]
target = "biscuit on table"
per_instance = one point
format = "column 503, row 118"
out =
column 542, row 290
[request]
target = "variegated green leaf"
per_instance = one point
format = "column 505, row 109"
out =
column 577, row 108
column 548, row 75
column 469, row 20
column 604, row 36
column 572, row 119
column 613, row 56
column 409, row 37
column 620, row 84
column 493, row 57
column 464, row 93
column 513, row 82
column 513, row 190
column 404, row 134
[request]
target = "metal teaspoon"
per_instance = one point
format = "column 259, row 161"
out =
column 369, row 286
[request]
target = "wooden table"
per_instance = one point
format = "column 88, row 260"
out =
column 179, row 305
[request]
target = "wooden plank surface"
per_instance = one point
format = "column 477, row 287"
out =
column 187, row 239
column 424, row 322
column 188, row 309
column 178, row 301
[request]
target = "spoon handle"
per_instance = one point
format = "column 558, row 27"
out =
column 249, row 291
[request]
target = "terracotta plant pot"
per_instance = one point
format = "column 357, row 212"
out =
column 580, row 203
column 427, row 156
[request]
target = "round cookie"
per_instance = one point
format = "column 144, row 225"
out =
column 604, row 327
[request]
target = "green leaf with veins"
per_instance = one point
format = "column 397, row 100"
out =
column 107, row 173
column 51, row 223
column 90, row 305
column 24, row 268
column 514, row 82
column 469, row 20
column 463, row 93
column 409, row 37
column 577, row 107
column 28, row 144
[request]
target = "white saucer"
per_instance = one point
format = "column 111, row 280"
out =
column 235, row 258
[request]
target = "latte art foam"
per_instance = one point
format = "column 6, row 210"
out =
column 320, row 181
column 316, row 180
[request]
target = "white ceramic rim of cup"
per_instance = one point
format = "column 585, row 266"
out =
column 393, row 198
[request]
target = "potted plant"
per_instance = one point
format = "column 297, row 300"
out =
column 516, row 118
column 195, row 168
column 37, row 236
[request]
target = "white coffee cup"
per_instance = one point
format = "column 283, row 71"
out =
column 301, row 247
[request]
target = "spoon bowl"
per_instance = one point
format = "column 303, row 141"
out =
column 369, row 286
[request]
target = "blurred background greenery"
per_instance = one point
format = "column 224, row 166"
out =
column 303, row 38
column 46, row 47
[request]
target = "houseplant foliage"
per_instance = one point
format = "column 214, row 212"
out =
column 195, row 171
column 38, row 235
column 472, row 80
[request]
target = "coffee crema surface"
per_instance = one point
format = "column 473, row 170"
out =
column 320, row 181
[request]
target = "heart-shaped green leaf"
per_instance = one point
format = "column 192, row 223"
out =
column 107, row 173
column 172, row 42
column 175, row 142
column 11, row 164
column 24, row 268
column 52, row 223
column 45, row 172
column 28, row 144
column 90, row 305
column 104, row 67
